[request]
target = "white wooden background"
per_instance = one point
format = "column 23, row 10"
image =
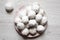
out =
column 52, row 7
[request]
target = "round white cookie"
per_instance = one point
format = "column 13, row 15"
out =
column 25, row 31
column 20, row 26
column 32, row 23
column 17, row 20
column 42, row 12
column 25, row 19
column 38, row 17
column 36, row 7
column 40, row 28
column 33, row 31
column 22, row 12
column 31, row 14
column 44, row 20
column 9, row 6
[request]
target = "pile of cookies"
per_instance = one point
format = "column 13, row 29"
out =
column 31, row 20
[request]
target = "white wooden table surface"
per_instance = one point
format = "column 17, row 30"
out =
column 52, row 7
